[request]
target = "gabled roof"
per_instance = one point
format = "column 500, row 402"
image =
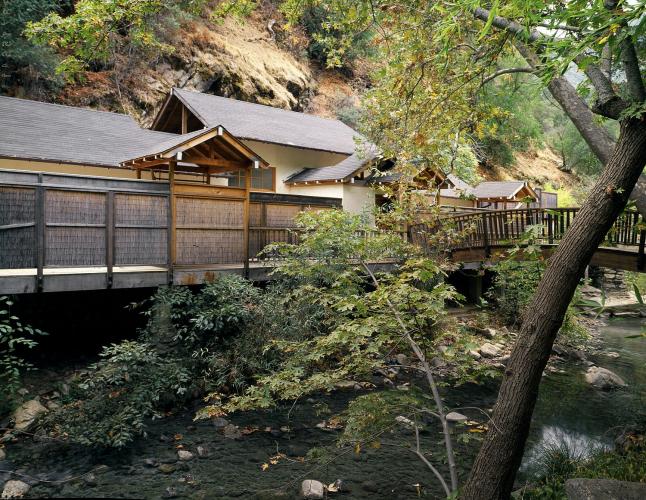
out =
column 501, row 189
column 183, row 142
column 51, row 132
column 459, row 188
column 341, row 172
column 262, row 123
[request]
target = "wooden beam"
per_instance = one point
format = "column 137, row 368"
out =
column 216, row 162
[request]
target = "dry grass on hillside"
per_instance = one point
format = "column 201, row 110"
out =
column 538, row 167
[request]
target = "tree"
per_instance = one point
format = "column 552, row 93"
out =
column 436, row 61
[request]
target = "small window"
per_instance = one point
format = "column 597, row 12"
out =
column 261, row 178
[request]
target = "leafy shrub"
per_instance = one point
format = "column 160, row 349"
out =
column 121, row 393
column 14, row 336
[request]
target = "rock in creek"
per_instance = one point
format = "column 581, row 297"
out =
column 604, row 489
column 3, row 455
column 232, row 432
column 220, row 423
column 185, row 455
column 15, row 489
column 454, row 416
column 312, row 489
column 602, row 378
column 26, row 414
column 489, row 350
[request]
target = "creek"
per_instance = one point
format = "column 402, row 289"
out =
column 568, row 410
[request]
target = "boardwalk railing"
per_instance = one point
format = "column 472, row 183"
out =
column 504, row 227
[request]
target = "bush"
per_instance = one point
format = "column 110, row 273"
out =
column 14, row 337
column 121, row 393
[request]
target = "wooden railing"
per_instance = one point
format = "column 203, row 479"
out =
column 504, row 227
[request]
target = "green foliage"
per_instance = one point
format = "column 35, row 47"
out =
column 362, row 322
column 15, row 337
column 119, row 395
column 21, row 61
column 324, row 46
column 559, row 463
column 97, row 28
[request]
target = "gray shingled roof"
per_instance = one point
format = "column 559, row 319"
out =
column 341, row 171
column 257, row 122
column 498, row 189
column 52, row 132
column 460, row 188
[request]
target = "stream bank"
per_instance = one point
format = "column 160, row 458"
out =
column 237, row 460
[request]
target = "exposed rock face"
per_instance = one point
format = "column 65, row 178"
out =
column 15, row 489
column 26, row 414
column 312, row 489
column 232, row 60
column 603, row 378
column 610, row 280
column 604, row 489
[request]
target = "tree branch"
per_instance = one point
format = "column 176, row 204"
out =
column 508, row 25
column 450, row 455
column 506, row 71
column 634, row 80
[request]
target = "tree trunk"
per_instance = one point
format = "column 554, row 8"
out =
column 495, row 467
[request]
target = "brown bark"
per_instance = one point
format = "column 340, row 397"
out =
column 494, row 470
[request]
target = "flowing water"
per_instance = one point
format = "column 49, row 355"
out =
column 569, row 410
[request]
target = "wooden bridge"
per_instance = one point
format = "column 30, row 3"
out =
column 487, row 235
column 62, row 232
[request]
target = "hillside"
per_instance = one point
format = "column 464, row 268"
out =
column 253, row 61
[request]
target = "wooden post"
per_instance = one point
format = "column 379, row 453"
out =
column 40, row 232
column 109, row 237
column 172, row 226
column 245, row 221
column 550, row 231
column 485, row 235
column 184, row 120
column 640, row 256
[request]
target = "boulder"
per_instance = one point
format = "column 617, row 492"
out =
column 475, row 354
column 402, row 359
column 602, row 378
column 312, row 489
column 489, row 333
column 26, row 414
column 232, row 432
column 167, row 468
column 202, row 451
column 489, row 350
column 15, row 489
column 604, row 489
column 3, row 454
column 219, row 422
column 185, row 455
column 454, row 416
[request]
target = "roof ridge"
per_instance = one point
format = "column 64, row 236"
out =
column 265, row 106
column 45, row 103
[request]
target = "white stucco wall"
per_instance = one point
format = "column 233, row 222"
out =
column 359, row 199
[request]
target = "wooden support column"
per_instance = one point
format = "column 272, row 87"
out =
column 184, row 120
column 640, row 253
column 109, row 237
column 172, row 220
column 245, row 221
column 40, row 232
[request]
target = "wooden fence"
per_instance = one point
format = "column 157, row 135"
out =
column 52, row 220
